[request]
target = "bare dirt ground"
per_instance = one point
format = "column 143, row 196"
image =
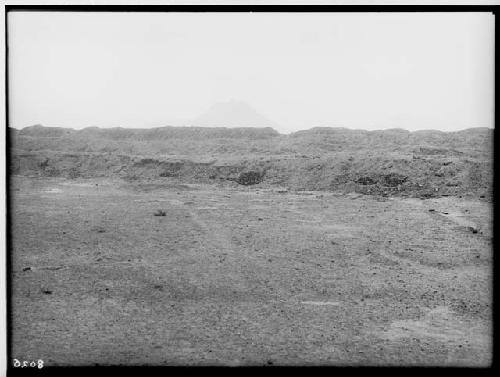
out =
column 246, row 276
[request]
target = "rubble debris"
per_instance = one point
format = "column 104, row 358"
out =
column 250, row 178
column 365, row 181
column 160, row 213
column 394, row 179
column 472, row 229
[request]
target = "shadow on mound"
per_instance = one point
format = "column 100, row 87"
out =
column 250, row 178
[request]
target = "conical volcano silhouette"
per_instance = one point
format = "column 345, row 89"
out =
column 232, row 113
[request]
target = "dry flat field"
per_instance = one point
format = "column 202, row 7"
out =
column 238, row 276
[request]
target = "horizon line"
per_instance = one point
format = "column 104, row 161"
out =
column 256, row 127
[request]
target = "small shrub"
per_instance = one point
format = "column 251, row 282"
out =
column 160, row 212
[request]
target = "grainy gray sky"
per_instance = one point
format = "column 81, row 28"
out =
column 356, row 70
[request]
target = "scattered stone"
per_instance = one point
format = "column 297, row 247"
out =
column 46, row 291
column 98, row 229
column 432, row 210
column 260, row 219
column 27, row 269
column 472, row 229
column 52, row 268
column 160, row 213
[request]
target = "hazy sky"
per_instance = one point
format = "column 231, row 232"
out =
column 356, row 70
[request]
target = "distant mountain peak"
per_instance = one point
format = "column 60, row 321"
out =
column 232, row 113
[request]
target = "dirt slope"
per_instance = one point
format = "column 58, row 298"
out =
column 390, row 162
